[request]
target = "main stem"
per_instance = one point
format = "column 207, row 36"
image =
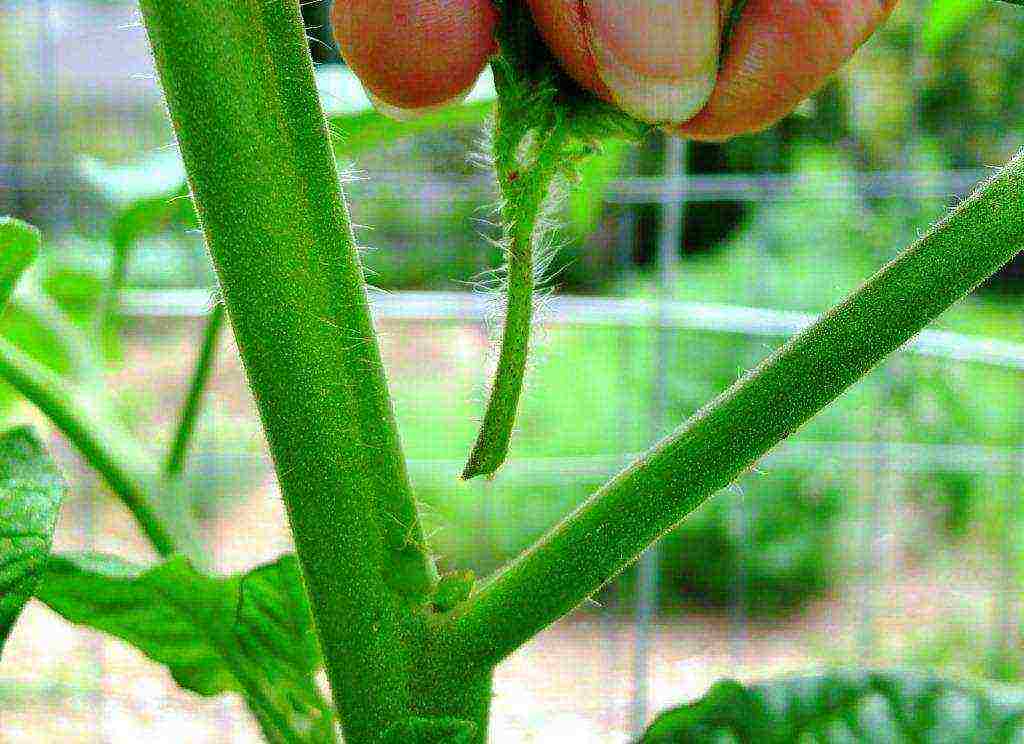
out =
column 240, row 89
column 613, row 527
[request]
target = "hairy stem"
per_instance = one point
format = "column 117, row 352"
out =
column 193, row 403
column 527, row 160
column 545, row 127
column 240, row 90
column 718, row 444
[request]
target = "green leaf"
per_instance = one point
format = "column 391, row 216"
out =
column 158, row 174
column 358, row 133
column 31, row 491
column 149, row 194
column 151, row 216
column 251, row 634
column 854, row 706
column 586, row 200
column 19, row 246
column 945, row 19
column 418, row 730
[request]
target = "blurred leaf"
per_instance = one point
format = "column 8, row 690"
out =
column 341, row 93
column 36, row 337
column 357, row 133
column 846, row 707
column 158, row 174
column 150, row 195
column 946, row 18
column 19, row 246
column 249, row 633
column 153, row 215
column 586, row 199
column 75, row 286
column 31, row 491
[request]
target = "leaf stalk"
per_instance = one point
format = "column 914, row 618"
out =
column 193, row 403
column 726, row 438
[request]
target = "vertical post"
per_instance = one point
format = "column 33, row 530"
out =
column 1005, row 656
column 740, row 519
column 740, row 529
column 871, row 525
column 670, row 237
column 626, row 420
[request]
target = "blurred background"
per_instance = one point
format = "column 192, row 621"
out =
column 886, row 533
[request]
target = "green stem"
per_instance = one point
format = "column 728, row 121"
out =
column 20, row 244
column 84, row 364
column 190, row 411
column 69, row 413
column 722, row 441
column 526, row 182
column 108, row 317
column 240, row 89
column 545, row 127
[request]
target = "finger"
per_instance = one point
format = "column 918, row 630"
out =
column 780, row 52
column 656, row 59
column 415, row 54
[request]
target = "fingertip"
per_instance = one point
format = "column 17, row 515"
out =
column 402, row 114
column 657, row 61
column 780, row 53
column 415, row 54
column 564, row 26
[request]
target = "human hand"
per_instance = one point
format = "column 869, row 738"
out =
column 656, row 59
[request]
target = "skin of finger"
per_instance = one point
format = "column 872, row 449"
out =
column 563, row 24
column 565, row 27
column 415, row 53
column 781, row 51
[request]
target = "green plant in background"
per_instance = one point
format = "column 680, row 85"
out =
column 946, row 18
column 410, row 654
column 843, row 707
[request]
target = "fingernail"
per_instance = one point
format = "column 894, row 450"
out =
column 658, row 58
column 402, row 114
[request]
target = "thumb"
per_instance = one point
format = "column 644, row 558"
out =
column 781, row 52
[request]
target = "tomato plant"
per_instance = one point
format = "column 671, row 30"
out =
column 410, row 654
